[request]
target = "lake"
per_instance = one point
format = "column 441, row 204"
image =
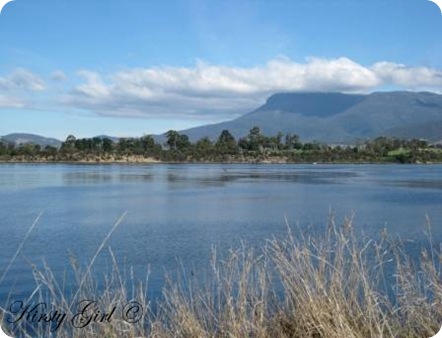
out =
column 180, row 212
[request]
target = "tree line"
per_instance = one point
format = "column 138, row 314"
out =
column 254, row 147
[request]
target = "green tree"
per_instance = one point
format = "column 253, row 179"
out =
column 183, row 143
column 3, row 148
column 69, row 144
column 292, row 141
column 148, row 143
column 108, row 145
column 204, row 149
column 50, row 151
column 254, row 141
column 176, row 141
column 97, row 144
column 173, row 139
column 226, row 144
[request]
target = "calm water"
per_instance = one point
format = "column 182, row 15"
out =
column 180, row 211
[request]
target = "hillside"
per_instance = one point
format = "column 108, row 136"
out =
column 336, row 117
column 325, row 117
column 22, row 138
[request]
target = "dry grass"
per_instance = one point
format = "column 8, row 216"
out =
column 328, row 285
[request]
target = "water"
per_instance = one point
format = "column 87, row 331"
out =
column 178, row 212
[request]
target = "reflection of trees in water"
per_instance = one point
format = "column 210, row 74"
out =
column 224, row 176
column 427, row 184
column 135, row 177
column 220, row 177
column 86, row 178
column 97, row 178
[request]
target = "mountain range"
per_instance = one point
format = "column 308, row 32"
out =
column 23, row 138
column 324, row 117
column 339, row 118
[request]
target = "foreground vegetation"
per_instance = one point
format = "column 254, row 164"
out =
column 332, row 284
column 254, row 147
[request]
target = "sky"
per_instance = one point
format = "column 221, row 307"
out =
column 138, row 67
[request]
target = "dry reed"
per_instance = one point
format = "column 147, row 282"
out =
column 332, row 284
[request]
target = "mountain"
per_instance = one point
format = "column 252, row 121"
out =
column 112, row 138
column 430, row 130
column 339, row 118
column 21, row 138
column 325, row 117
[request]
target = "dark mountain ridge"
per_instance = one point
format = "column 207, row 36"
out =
column 324, row 117
column 339, row 118
column 311, row 104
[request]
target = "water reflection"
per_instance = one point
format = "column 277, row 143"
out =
column 75, row 178
column 86, row 178
column 181, row 210
column 427, row 184
column 135, row 177
column 221, row 178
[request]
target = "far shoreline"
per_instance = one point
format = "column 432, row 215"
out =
column 155, row 162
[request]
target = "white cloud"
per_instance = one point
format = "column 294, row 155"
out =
column 208, row 90
column 11, row 102
column 58, row 76
column 217, row 91
column 212, row 92
column 16, row 86
column 22, row 80
column 416, row 78
column 94, row 86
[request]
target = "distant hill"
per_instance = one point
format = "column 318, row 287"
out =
column 21, row 138
column 429, row 130
column 336, row 117
column 112, row 138
column 325, row 117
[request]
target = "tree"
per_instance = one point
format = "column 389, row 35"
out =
column 254, row 140
column 183, row 143
column 108, row 145
column 292, row 141
column 97, row 144
column 122, row 145
column 172, row 139
column 147, row 142
column 176, row 141
column 29, row 149
column 204, row 148
column 69, row 144
column 50, row 151
column 278, row 139
column 3, row 148
column 70, row 139
column 150, row 148
column 226, row 144
column 275, row 142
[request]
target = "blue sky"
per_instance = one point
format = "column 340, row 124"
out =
column 134, row 67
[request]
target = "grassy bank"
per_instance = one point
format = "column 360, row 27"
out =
column 332, row 284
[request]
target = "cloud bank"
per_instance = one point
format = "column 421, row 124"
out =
column 213, row 92
column 208, row 90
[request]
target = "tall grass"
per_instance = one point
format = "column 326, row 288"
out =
column 331, row 284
